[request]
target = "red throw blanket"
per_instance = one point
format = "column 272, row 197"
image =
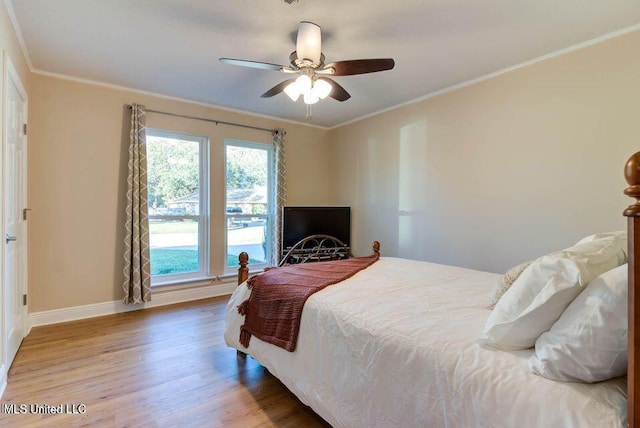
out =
column 273, row 310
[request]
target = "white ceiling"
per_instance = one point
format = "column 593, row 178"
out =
column 171, row 47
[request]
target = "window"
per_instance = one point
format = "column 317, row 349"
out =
column 248, row 201
column 177, row 171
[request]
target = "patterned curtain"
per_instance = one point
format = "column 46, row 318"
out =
column 278, row 193
column 137, row 282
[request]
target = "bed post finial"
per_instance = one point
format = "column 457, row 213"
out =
column 376, row 247
column 243, row 271
column 632, row 175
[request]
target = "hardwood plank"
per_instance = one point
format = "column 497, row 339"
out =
column 160, row 367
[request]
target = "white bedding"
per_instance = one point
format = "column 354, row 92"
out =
column 395, row 345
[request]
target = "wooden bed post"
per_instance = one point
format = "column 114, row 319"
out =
column 632, row 175
column 243, row 275
column 243, row 270
column 376, row 247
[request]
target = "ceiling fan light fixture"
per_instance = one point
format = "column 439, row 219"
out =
column 312, row 90
column 322, row 88
column 303, row 83
column 311, row 97
column 292, row 91
column 300, row 86
column 309, row 41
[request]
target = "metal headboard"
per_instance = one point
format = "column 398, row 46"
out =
column 316, row 248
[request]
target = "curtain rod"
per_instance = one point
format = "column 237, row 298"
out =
column 217, row 122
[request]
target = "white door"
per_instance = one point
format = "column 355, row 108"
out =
column 15, row 156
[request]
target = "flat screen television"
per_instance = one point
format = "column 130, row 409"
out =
column 300, row 222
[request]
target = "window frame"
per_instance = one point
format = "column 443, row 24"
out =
column 202, row 217
column 269, row 217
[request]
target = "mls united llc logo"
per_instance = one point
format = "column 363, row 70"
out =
column 44, row 409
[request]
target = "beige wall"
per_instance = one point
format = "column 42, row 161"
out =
column 500, row 171
column 77, row 173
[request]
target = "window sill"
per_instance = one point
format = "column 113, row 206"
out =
column 233, row 275
column 184, row 283
column 200, row 281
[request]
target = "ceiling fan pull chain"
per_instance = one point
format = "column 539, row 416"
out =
column 308, row 111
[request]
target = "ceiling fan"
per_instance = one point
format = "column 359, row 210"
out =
column 313, row 83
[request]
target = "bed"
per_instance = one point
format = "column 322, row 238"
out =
column 397, row 345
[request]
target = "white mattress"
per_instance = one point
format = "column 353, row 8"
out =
column 395, row 346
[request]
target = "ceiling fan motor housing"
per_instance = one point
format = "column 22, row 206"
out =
column 305, row 62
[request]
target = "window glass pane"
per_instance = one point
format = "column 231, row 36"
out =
column 247, row 173
column 246, row 234
column 173, row 176
column 174, row 246
column 176, row 211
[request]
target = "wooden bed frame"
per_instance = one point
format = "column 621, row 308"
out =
column 632, row 175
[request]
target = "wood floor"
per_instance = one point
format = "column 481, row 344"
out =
column 161, row 367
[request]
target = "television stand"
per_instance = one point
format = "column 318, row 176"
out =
column 316, row 248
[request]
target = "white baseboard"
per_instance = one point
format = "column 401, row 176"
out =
column 114, row 307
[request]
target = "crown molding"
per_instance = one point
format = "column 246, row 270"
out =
column 16, row 29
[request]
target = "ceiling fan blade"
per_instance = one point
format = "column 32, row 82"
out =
column 360, row 66
column 337, row 91
column 252, row 64
column 309, row 42
column 278, row 88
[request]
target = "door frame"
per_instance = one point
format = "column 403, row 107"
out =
column 10, row 75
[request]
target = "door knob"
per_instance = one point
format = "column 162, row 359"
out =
column 10, row 238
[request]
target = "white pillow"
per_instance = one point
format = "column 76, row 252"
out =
column 505, row 282
column 544, row 290
column 589, row 341
column 619, row 238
